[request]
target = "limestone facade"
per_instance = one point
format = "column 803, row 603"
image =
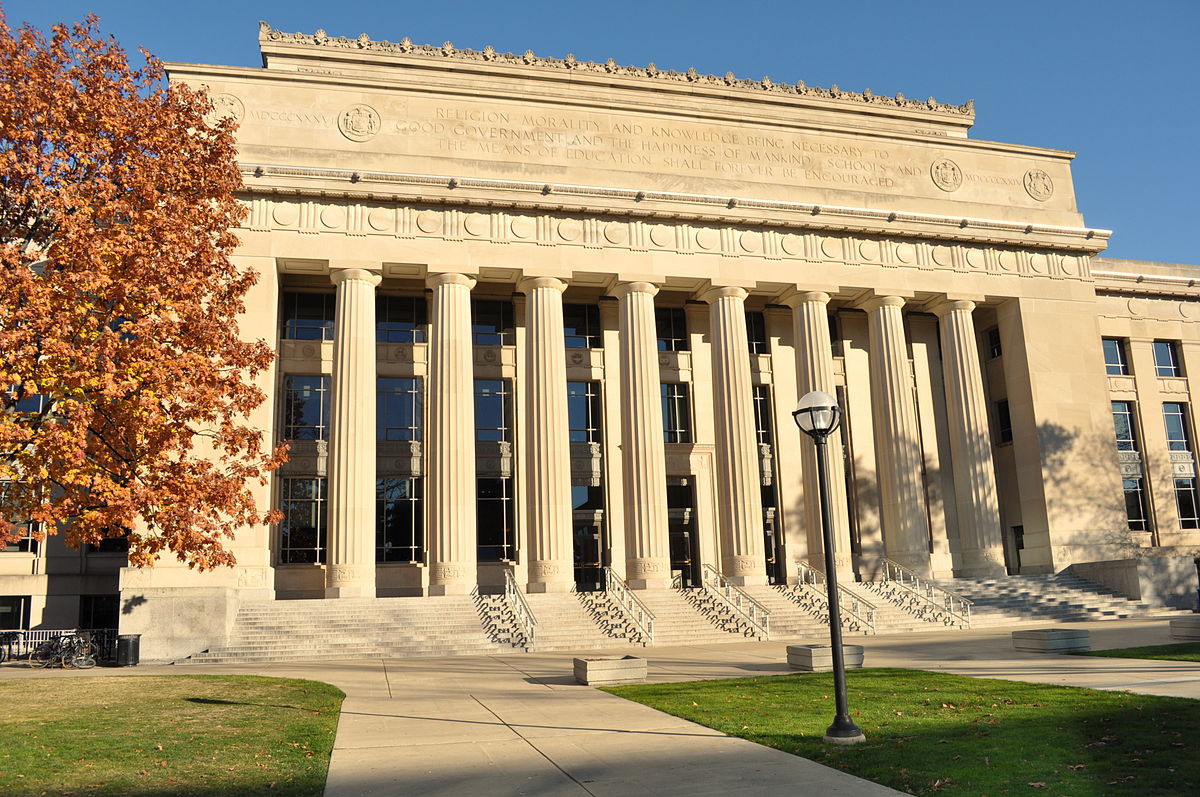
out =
column 543, row 317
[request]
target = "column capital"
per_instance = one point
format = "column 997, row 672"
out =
column 795, row 298
column 623, row 289
column 946, row 305
column 449, row 278
column 721, row 292
column 876, row 302
column 340, row 275
column 526, row 284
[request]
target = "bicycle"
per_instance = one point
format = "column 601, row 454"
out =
column 68, row 650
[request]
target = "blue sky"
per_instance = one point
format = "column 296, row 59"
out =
column 1116, row 81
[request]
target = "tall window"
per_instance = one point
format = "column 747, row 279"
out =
column 993, row 343
column 302, row 532
column 762, row 414
column 583, row 411
column 1004, row 432
column 581, row 323
column 677, row 413
column 1116, row 362
column 26, row 542
column 1123, row 426
column 1166, row 358
column 400, row 319
column 671, row 323
column 494, row 520
column 1125, row 429
column 399, row 526
column 308, row 316
column 756, row 333
column 492, row 322
column 305, row 407
column 1178, row 439
column 493, row 410
column 398, row 409
column 14, row 612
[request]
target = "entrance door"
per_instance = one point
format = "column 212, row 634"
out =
column 1014, row 542
column 589, row 573
column 681, row 530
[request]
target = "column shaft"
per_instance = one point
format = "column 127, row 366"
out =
column 897, row 437
column 814, row 371
column 642, row 452
column 351, row 559
column 451, row 494
column 739, row 501
column 979, row 532
column 548, row 486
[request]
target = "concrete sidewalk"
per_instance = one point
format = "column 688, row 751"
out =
column 518, row 724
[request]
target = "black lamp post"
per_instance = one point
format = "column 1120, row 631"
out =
column 817, row 415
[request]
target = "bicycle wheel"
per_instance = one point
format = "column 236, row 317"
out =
column 82, row 661
column 44, row 654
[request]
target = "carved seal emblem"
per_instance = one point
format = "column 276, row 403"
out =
column 359, row 122
column 946, row 174
column 225, row 106
column 1038, row 184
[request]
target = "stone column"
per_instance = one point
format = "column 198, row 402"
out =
column 642, row 452
column 979, row 533
column 548, row 451
column 814, row 371
column 739, row 500
column 450, row 482
column 897, row 437
column 350, row 571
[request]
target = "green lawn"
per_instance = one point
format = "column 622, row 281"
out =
column 178, row 735
column 932, row 732
column 1179, row 651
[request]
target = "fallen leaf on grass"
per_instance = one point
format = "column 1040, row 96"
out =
column 1037, row 784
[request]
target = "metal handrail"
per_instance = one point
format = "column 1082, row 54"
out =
column 631, row 605
column 955, row 608
column 21, row 641
column 854, row 607
column 750, row 610
column 523, row 615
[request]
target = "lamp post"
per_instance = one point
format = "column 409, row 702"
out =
column 817, row 415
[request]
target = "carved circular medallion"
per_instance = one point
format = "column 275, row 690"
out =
column 1137, row 307
column 792, row 244
column 946, row 174
column 1007, row 261
column 429, row 221
column 869, row 251
column 616, row 233
column 942, row 255
column 382, row 219
column 225, row 106
column 831, row 247
column 285, row 215
column 1070, row 265
column 976, row 258
column 1187, row 311
column 522, row 227
column 333, row 217
column 1039, row 263
column 708, row 238
column 751, row 241
column 359, row 122
column 476, row 224
column 662, row 235
column 1039, row 185
column 906, row 253
column 570, row 230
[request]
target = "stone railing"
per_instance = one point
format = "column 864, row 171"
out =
column 526, row 622
column 640, row 617
column 857, row 614
column 920, row 597
column 749, row 611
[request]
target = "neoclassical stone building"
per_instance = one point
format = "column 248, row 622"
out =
column 540, row 318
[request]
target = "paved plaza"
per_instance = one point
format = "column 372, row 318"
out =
column 518, row 724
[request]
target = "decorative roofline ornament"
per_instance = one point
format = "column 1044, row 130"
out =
column 489, row 54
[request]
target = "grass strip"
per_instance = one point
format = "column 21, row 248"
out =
column 1179, row 651
column 948, row 734
column 176, row 735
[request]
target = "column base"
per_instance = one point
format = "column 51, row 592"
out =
column 449, row 589
column 548, row 586
column 747, row 581
column 980, row 564
column 648, row 583
column 917, row 561
column 351, row 591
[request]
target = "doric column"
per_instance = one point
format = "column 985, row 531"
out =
column 814, row 371
column 739, row 499
column 548, row 486
column 351, row 542
column 450, row 493
column 642, row 452
column 979, row 533
column 897, row 437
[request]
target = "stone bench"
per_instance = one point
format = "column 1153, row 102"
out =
column 610, row 670
column 819, row 658
column 1052, row 640
column 1185, row 627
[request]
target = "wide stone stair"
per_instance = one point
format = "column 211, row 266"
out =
column 790, row 619
column 687, row 619
column 578, row 621
column 1063, row 596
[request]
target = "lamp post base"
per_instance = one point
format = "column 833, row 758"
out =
column 843, row 731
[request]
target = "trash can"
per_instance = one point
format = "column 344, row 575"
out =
column 129, row 650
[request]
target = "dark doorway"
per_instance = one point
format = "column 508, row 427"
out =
column 772, row 538
column 1014, row 543
column 587, row 530
column 685, row 547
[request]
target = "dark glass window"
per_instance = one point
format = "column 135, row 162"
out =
column 398, row 409
column 581, row 323
column 993, row 343
column 587, row 497
column 26, row 543
column 305, row 407
column 583, row 411
column 308, row 316
column 302, row 532
column 1004, row 432
column 762, row 414
column 1135, row 505
column 756, row 333
column 118, row 544
column 494, row 520
column 14, row 612
column 835, row 336
column 492, row 322
column 400, row 319
column 677, row 413
column 1115, row 361
column 399, row 525
column 1189, row 506
column 671, row 323
column 493, row 410
column 1175, row 418
column 99, row 611
column 1166, row 359
column 34, row 403
column 1124, row 426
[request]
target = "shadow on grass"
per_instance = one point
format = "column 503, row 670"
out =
column 209, row 701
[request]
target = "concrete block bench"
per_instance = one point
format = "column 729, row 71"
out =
column 1052, row 640
column 610, row 670
column 819, row 658
column 1185, row 627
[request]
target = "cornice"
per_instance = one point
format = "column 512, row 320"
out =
column 447, row 52
column 482, row 192
column 1150, row 285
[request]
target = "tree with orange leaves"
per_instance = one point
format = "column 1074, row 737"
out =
column 125, row 389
